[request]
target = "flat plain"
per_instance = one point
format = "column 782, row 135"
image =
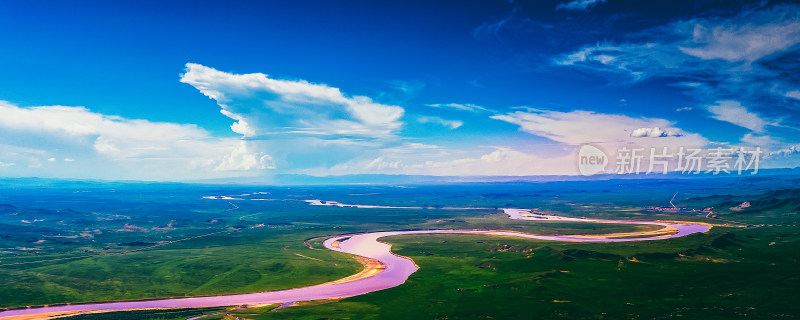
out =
column 68, row 242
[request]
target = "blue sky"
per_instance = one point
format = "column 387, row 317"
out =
column 194, row 90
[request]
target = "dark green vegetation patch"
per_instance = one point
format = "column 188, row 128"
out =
column 161, row 314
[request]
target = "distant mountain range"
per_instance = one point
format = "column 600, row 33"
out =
column 380, row 179
column 299, row 179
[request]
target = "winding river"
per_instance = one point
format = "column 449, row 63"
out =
column 396, row 268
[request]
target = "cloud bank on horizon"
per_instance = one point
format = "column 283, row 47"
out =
column 708, row 77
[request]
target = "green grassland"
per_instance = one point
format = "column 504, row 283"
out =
column 244, row 261
column 500, row 221
column 204, row 266
column 727, row 273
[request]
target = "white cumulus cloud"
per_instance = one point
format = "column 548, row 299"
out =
column 263, row 106
column 116, row 147
column 654, row 132
column 242, row 158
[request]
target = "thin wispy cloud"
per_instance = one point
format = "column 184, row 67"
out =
column 475, row 84
column 700, row 47
column 741, row 42
column 408, row 87
column 735, row 113
column 633, row 61
column 579, row 5
column 571, row 128
column 461, row 106
column 452, row 124
column 493, row 29
column 496, row 161
column 723, row 63
column 794, row 94
column 759, row 140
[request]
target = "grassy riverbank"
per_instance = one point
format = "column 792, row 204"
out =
column 727, row 273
